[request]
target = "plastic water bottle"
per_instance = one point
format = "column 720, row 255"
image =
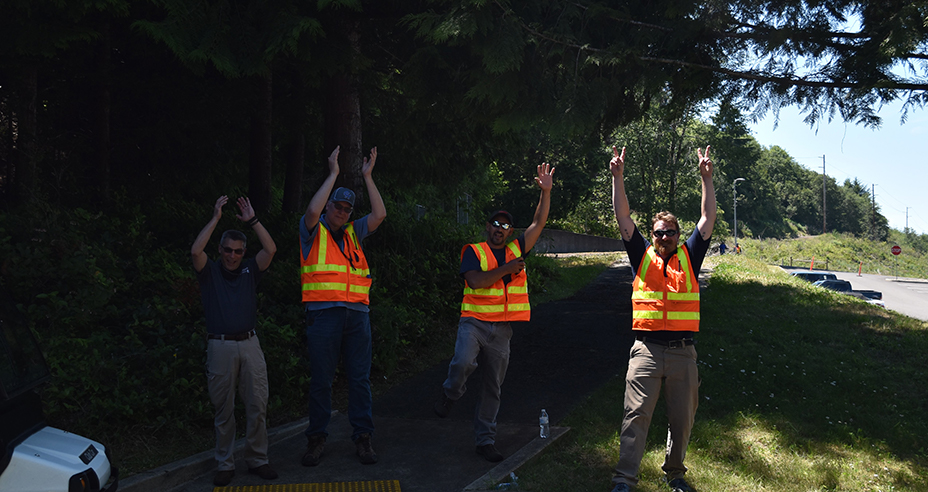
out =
column 513, row 484
column 543, row 424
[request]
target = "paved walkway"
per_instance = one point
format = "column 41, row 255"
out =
column 570, row 348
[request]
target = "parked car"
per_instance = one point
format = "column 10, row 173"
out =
column 33, row 456
column 810, row 276
column 843, row 286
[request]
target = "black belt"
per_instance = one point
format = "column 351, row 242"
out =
column 667, row 343
column 235, row 337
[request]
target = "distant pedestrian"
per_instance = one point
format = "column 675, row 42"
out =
column 722, row 248
column 336, row 294
column 234, row 358
column 495, row 294
column 738, row 249
column 665, row 318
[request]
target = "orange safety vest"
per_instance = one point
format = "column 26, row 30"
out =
column 500, row 302
column 330, row 273
column 665, row 302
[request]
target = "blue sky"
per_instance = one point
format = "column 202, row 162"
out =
column 892, row 157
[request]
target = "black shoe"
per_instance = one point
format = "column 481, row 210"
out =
column 680, row 485
column 314, row 448
column 490, row 453
column 264, row 471
column 364, row 450
column 443, row 407
column 223, row 478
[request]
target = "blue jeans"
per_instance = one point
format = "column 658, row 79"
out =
column 331, row 333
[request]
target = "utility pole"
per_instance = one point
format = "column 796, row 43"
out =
column 907, row 219
column 734, row 194
column 873, row 211
column 824, row 207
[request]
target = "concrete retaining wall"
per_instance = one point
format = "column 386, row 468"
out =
column 555, row 241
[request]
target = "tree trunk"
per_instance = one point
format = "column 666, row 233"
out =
column 6, row 152
column 101, row 174
column 293, row 184
column 343, row 118
column 24, row 156
column 295, row 149
column 259, row 165
column 343, row 127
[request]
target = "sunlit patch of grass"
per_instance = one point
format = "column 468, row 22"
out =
column 802, row 389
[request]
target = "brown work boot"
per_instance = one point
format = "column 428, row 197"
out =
column 264, row 471
column 443, row 406
column 365, row 451
column 223, row 478
column 314, row 447
column 490, row 453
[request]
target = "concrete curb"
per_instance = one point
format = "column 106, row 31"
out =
column 907, row 280
column 182, row 471
column 501, row 471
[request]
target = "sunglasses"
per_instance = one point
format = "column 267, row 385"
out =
column 504, row 226
column 668, row 233
column 229, row 251
column 343, row 208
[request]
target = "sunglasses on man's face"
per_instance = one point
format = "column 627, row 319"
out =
column 238, row 251
column 344, row 208
column 668, row 233
column 504, row 226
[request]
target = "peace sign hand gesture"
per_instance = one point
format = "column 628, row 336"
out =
column 617, row 164
column 705, row 163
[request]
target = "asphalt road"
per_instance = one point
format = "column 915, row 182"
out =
column 908, row 296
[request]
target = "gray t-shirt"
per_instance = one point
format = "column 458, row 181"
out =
column 230, row 298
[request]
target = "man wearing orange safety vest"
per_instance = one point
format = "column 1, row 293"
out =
column 495, row 293
column 336, row 283
column 665, row 317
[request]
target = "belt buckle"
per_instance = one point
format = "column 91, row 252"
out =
column 676, row 344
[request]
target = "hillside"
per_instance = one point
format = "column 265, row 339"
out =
column 839, row 252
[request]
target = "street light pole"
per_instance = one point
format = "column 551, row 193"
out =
column 734, row 195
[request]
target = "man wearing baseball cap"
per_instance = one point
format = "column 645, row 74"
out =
column 495, row 293
column 336, row 283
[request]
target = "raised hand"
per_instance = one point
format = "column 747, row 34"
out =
column 545, row 179
column 617, row 164
column 244, row 204
column 705, row 163
column 333, row 161
column 217, row 208
column 368, row 165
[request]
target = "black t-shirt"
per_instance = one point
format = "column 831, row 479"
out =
column 470, row 261
column 697, row 247
column 229, row 298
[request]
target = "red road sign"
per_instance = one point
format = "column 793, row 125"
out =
column 897, row 250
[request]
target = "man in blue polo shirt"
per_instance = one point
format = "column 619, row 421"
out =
column 233, row 354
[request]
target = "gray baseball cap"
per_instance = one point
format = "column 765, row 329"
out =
column 343, row 195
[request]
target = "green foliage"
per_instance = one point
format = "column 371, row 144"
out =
column 237, row 38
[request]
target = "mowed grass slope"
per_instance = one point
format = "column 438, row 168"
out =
column 802, row 389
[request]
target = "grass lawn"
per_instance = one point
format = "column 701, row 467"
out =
column 802, row 390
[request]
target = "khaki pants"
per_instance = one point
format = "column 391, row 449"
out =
column 232, row 364
column 650, row 365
